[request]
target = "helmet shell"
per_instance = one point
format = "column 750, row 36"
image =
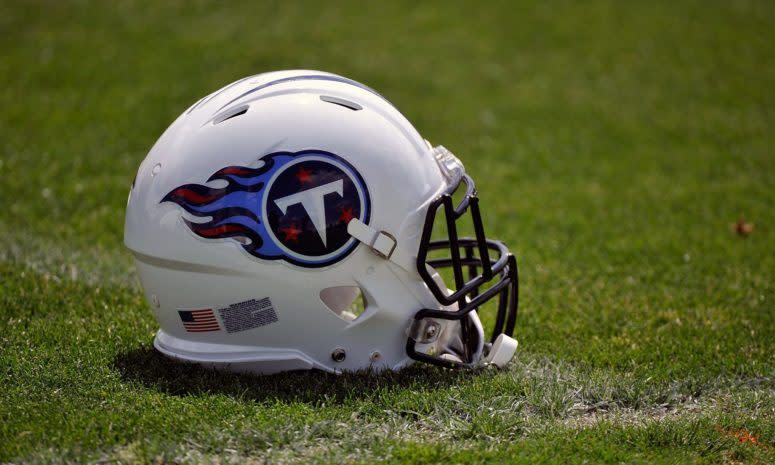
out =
column 183, row 273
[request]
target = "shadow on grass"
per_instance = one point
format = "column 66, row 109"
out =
column 155, row 371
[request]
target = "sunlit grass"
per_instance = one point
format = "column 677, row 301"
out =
column 613, row 146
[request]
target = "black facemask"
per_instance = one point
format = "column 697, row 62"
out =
column 467, row 256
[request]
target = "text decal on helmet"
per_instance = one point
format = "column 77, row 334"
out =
column 295, row 207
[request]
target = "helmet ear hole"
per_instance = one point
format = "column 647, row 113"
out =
column 346, row 302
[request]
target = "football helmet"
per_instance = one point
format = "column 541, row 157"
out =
column 286, row 222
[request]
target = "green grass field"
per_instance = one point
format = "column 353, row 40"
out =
column 613, row 143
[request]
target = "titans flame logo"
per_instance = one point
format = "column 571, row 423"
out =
column 294, row 207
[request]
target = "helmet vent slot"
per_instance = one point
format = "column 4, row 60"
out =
column 346, row 302
column 341, row 102
column 233, row 113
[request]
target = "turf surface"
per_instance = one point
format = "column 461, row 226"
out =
column 614, row 145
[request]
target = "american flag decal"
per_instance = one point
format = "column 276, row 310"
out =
column 199, row 321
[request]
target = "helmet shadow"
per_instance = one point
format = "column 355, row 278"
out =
column 152, row 370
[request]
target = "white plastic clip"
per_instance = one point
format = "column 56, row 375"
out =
column 502, row 351
column 382, row 243
column 450, row 165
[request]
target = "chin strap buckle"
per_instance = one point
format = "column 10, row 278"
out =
column 502, row 351
column 381, row 243
column 384, row 245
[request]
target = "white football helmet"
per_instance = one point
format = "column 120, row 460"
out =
column 270, row 205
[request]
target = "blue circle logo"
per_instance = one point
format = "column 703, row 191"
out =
column 294, row 207
column 308, row 205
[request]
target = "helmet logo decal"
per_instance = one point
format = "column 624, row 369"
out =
column 295, row 207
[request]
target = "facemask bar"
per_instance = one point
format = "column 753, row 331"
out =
column 466, row 294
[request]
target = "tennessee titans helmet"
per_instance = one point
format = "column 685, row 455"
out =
column 290, row 220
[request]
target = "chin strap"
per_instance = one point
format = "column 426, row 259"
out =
column 502, row 351
column 382, row 243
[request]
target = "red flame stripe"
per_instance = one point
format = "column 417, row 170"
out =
column 220, row 230
column 235, row 170
column 192, row 196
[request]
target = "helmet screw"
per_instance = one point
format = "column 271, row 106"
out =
column 375, row 356
column 338, row 355
column 431, row 330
